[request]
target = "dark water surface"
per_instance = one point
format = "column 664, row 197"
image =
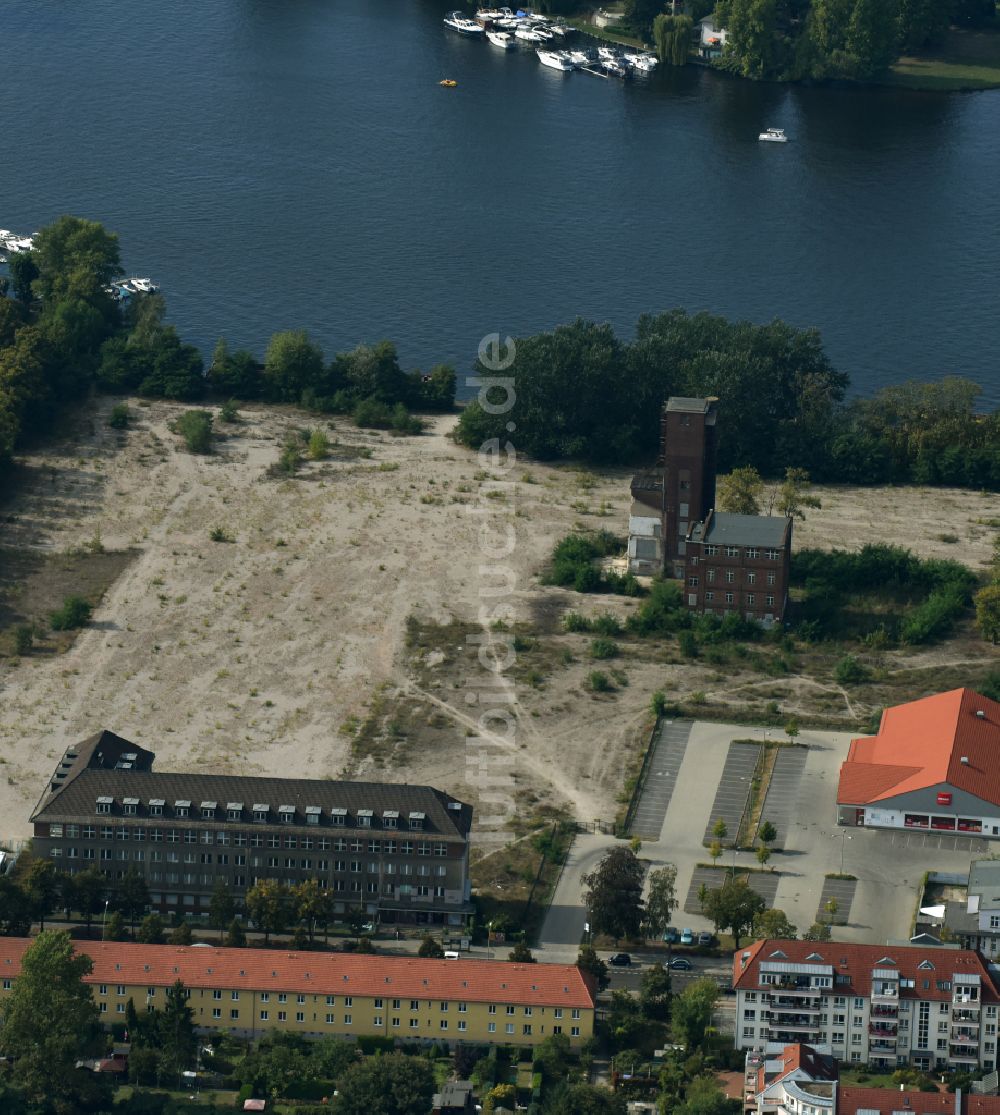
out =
column 294, row 163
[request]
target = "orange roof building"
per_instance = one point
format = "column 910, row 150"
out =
column 934, row 765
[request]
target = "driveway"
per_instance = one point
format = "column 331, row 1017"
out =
column 564, row 923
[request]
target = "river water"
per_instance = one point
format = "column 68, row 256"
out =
column 279, row 164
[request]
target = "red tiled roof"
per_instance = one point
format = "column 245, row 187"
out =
column 323, row 973
column 804, row 1057
column 858, row 961
column 921, row 745
column 980, row 1105
column 851, row 1100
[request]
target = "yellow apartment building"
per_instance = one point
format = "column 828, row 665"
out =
column 253, row 992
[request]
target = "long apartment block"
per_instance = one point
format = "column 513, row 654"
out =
column 400, row 853
column 252, row 992
column 884, row 1005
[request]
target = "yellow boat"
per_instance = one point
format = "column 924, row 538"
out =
column 448, row 83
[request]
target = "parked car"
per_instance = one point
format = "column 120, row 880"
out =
column 681, row 964
column 621, row 960
column 671, row 936
column 706, row 939
column 687, row 936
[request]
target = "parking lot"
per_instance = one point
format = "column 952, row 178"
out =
column 935, row 841
column 764, row 883
column 668, row 754
column 733, row 788
column 782, row 793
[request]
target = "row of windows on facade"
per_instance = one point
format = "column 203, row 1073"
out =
column 944, row 1025
column 223, row 837
column 838, row 1038
column 261, row 814
column 239, row 859
column 971, row 992
column 750, row 574
column 749, row 598
column 752, row 552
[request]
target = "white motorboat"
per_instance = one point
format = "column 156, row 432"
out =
column 773, row 135
column 555, row 59
column 143, row 286
column 615, row 67
column 460, row 23
column 544, row 32
column 645, row 63
column 578, row 58
column 489, row 15
column 607, row 54
column 561, row 29
column 503, row 39
column 528, row 35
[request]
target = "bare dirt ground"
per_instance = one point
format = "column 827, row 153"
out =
column 287, row 651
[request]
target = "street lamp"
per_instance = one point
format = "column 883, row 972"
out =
column 104, row 923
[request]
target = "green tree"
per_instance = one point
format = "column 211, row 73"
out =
column 76, row 259
column 131, row 896
column 23, row 272
column 692, row 1012
column 151, row 930
column 437, row 388
column 222, row 907
column 500, row 1095
column 181, row 934
column 654, row 992
column 741, row 491
column 50, row 1021
column 196, row 428
column 818, row 931
column 267, row 907
column 430, row 948
column 373, row 372
column 41, row 886
column 794, row 494
column 291, row 365
column 672, row 35
column 714, row 850
column 235, row 937
column 733, row 907
column 15, row 909
column 143, row 1066
column 313, row 906
column 661, row 899
column 720, row 830
column 90, row 893
column 587, row 1099
column 872, row 36
column 767, row 833
column 987, row 602
column 392, row 1084
column 521, row 954
column 704, row 1096
column 763, row 854
column 114, row 928
column 587, row 960
column 774, row 924
column 614, row 894
column 177, row 1040
column 74, row 613
column 640, row 14
column 319, row 445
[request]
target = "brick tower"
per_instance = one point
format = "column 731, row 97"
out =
column 687, row 457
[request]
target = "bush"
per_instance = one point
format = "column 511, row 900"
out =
column 603, row 648
column 195, row 427
column 606, row 624
column 24, row 638
column 220, row 534
column 319, row 445
column 574, row 622
column 74, row 613
column 599, row 682
column 688, row 644
column 118, row 418
column 228, row 411
column 849, row 671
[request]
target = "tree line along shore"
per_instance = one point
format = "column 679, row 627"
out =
column 583, row 393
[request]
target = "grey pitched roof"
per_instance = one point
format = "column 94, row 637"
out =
column 689, row 405
column 984, row 879
column 76, row 796
column 723, row 528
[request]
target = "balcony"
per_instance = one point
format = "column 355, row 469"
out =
column 797, row 1006
column 964, row 1037
column 965, row 1015
column 882, row 1045
column 791, row 1035
column 964, row 1054
column 790, row 987
column 884, row 1011
column 965, row 1002
column 882, row 1030
column 885, row 995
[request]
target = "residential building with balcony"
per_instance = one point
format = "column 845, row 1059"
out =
column 253, row 992
column 931, row 768
column 399, row 853
column 872, row 1004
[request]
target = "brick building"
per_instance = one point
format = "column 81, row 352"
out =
column 252, row 992
column 882, row 1005
column 398, row 852
column 739, row 564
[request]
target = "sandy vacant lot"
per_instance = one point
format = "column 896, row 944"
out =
column 287, row 650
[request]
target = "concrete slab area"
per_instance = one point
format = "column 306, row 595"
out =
column 764, row 883
column 668, row 754
column 733, row 789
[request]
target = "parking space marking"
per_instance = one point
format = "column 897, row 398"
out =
column 664, row 764
column 764, row 883
column 943, row 841
column 842, row 892
column 734, row 785
column 782, row 792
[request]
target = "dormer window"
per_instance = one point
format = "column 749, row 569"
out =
column 182, row 808
column 286, row 814
column 365, row 818
column 312, row 814
column 104, row 805
column 338, row 816
column 208, row 809
column 129, row 806
column 390, row 819
column 260, row 812
column 926, row 965
column 417, row 821
column 156, row 807
column 234, row 810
